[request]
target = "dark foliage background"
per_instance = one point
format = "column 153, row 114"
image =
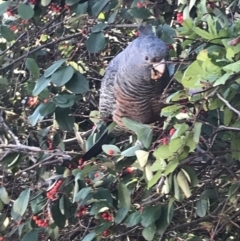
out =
column 182, row 186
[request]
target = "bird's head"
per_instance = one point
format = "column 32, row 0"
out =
column 148, row 54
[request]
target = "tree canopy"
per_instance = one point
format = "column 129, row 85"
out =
column 184, row 183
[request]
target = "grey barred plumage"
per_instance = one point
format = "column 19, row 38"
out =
column 134, row 80
column 132, row 85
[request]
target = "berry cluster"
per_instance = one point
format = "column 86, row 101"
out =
column 105, row 233
column 180, row 17
column 55, row 7
column 40, row 222
column 107, row 216
column 81, row 211
column 52, row 194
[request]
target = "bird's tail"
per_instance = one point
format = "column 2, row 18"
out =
column 103, row 137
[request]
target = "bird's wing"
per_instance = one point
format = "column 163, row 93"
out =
column 107, row 97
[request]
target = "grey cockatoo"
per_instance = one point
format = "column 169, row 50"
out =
column 133, row 83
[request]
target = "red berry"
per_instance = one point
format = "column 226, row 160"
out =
column 165, row 141
column 129, row 170
column 172, row 131
column 136, row 33
column 35, row 218
column 110, row 152
column 96, row 175
column 1, row 238
column 80, row 161
column 105, row 233
column 109, row 218
column 183, row 110
column 139, row 5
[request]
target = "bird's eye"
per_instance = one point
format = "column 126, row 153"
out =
column 146, row 58
column 156, row 59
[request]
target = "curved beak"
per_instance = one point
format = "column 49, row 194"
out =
column 158, row 70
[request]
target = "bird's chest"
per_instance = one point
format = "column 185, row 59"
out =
column 137, row 103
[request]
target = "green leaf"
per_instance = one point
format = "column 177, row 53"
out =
column 177, row 193
column 98, row 27
column 32, row 67
column 142, row 157
column 172, row 165
column 228, row 114
column 89, row 236
column 98, row 7
column 124, row 196
column 142, row 13
column 192, row 174
column 191, row 4
column 197, row 131
column 162, row 152
column 144, row 132
column 162, row 223
column 54, row 67
column 233, row 67
column 175, row 145
column 202, row 207
column 203, row 34
column 121, row 214
column 149, row 232
column 4, row 195
column 209, row 193
column 78, row 84
column 45, row 2
column 82, row 194
column 166, row 33
column 62, row 75
column 155, row 179
column 59, row 219
column 7, row 33
column 3, row 7
column 20, row 205
column 171, row 110
column 64, row 119
column 64, row 101
column 32, row 235
column 133, row 219
column 81, row 8
column 180, row 130
column 192, row 75
column 47, row 108
column 115, row 149
column 112, row 17
column 25, row 11
column 131, row 151
column 150, row 214
column 183, row 183
column 222, row 80
column 36, row 116
column 71, row 2
column 40, row 85
column 96, row 42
